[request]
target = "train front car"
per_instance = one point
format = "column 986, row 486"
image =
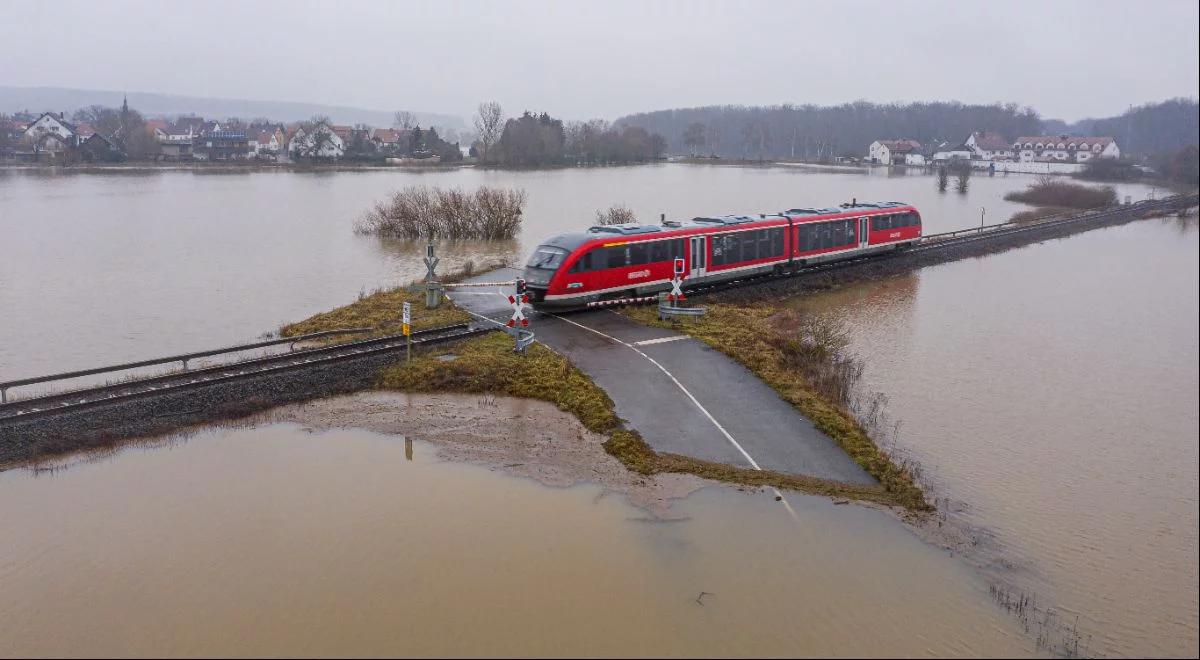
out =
column 548, row 261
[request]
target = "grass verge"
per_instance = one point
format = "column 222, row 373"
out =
column 745, row 334
column 382, row 310
column 488, row 364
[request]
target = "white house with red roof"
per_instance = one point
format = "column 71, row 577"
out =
column 987, row 145
column 895, row 152
column 1064, row 148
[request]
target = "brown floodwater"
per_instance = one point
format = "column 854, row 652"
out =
column 1050, row 392
column 276, row 540
column 100, row 268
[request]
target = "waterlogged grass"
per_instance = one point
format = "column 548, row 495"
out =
column 748, row 335
column 488, row 364
column 383, row 311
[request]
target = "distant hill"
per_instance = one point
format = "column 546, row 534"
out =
column 59, row 99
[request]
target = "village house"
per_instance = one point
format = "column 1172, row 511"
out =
column 1065, row 148
column 322, row 142
column 987, row 145
column 950, row 151
column 159, row 127
column 221, row 146
column 266, row 141
column 895, row 152
column 389, row 138
column 49, row 136
column 99, row 149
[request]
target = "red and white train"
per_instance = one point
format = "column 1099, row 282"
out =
column 618, row 261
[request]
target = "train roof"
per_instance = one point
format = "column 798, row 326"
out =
column 571, row 241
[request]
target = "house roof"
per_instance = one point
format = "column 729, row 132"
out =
column 991, row 141
column 342, row 132
column 156, row 124
column 388, row 135
column 1103, row 141
column 183, row 123
column 901, row 146
column 56, row 117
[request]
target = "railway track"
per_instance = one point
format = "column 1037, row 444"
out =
column 961, row 237
column 36, row 407
column 21, row 410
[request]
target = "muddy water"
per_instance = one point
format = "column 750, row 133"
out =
column 1051, row 392
column 276, row 540
column 104, row 268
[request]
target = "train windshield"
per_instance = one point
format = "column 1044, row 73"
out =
column 547, row 258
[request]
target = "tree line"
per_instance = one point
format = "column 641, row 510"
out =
column 814, row 132
column 532, row 140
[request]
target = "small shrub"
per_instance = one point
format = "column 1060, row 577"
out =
column 617, row 214
column 419, row 212
column 1047, row 191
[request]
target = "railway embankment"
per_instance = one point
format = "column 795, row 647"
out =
column 767, row 291
column 170, row 411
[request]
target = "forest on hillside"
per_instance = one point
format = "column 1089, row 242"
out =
column 823, row 132
column 813, row 132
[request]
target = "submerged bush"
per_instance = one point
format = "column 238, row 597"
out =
column 1047, row 191
column 423, row 212
column 617, row 214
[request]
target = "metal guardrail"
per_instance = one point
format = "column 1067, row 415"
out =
column 37, row 407
column 183, row 358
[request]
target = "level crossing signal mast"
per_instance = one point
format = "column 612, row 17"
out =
column 677, row 282
column 518, row 303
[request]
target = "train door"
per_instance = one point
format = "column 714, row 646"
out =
column 864, row 232
column 698, row 261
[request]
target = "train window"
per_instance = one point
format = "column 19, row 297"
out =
column 764, row 244
column 659, row 251
column 615, row 257
column 726, row 249
column 583, row 264
column 639, row 254
column 776, row 241
column 547, row 257
column 746, row 244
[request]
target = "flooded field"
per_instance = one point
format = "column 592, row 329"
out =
column 1051, row 393
column 276, row 540
column 114, row 267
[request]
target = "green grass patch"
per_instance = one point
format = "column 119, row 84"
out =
column 383, row 311
column 747, row 335
column 488, row 365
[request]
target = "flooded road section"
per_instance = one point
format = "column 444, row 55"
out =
column 1051, row 392
column 281, row 540
column 102, row 268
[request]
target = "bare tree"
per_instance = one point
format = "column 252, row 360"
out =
column 962, row 177
column 489, row 121
column 617, row 214
column 404, row 120
column 694, row 137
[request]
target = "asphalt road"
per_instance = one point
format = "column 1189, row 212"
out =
column 681, row 395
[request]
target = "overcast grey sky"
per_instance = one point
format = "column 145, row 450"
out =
column 605, row 58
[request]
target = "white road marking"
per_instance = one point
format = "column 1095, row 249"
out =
column 660, row 340
column 688, row 394
column 678, row 384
